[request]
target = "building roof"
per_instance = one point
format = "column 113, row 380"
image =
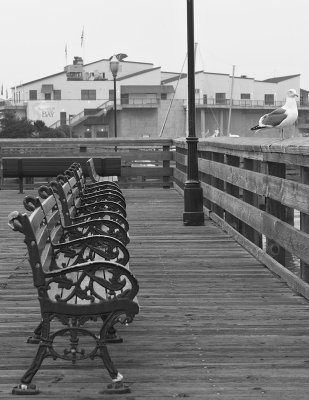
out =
column 137, row 73
column 85, row 65
column 182, row 76
column 139, row 89
column 280, row 78
column 173, row 78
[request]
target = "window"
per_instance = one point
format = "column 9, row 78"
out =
column 88, row 94
column 204, row 98
column 197, row 91
column 124, row 97
column 220, row 98
column 33, row 95
column 111, row 95
column 163, row 96
column 47, row 96
column 245, row 96
column 269, row 99
column 102, row 134
column 57, row 94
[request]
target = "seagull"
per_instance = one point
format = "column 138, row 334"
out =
column 282, row 117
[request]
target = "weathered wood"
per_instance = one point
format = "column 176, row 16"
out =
column 232, row 190
column 304, row 225
column 228, row 329
column 295, row 241
column 289, row 193
column 251, row 198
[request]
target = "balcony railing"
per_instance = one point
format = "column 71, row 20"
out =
column 246, row 103
column 140, row 102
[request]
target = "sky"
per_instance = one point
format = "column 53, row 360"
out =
column 263, row 39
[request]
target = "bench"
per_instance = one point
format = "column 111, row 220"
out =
column 50, row 167
column 89, row 188
column 68, row 193
column 99, row 224
column 96, row 176
column 78, row 281
column 106, row 190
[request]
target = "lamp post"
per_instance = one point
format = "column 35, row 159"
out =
column 193, row 193
column 114, row 67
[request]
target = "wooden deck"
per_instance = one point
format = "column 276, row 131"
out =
column 214, row 323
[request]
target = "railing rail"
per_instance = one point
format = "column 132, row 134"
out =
column 258, row 191
column 145, row 162
column 242, row 103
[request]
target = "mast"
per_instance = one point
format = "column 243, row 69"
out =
column 231, row 103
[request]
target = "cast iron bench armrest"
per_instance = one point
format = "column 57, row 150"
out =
column 88, row 248
column 101, row 197
column 108, row 194
column 101, row 206
column 113, row 216
column 116, row 270
column 96, row 227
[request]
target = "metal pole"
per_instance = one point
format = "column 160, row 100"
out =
column 231, row 102
column 193, row 193
column 115, row 107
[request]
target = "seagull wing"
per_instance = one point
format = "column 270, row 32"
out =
column 274, row 118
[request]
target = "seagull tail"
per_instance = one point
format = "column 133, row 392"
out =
column 257, row 127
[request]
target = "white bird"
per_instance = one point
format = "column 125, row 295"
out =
column 282, row 117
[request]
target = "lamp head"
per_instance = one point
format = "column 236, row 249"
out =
column 114, row 65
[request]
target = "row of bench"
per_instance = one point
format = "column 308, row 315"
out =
column 48, row 167
column 77, row 236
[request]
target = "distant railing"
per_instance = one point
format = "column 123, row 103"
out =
column 258, row 191
column 243, row 103
column 140, row 101
column 145, row 162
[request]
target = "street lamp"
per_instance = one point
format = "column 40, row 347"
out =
column 114, row 67
column 193, row 193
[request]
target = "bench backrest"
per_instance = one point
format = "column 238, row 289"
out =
column 81, row 181
column 68, row 192
column 97, row 226
column 37, row 238
column 81, row 283
column 17, row 167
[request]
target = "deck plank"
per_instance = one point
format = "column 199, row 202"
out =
column 214, row 323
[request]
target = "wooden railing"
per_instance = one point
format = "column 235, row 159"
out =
column 255, row 189
column 145, row 162
column 258, row 191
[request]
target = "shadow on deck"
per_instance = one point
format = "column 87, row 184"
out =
column 214, row 322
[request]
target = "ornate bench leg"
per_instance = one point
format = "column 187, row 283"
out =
column 25, row 387
column 112, row 336
column 36, row 337
column 117, row 387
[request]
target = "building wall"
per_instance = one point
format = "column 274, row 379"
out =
column 137, row 123
column 175, row 125
column 71, row 103
column 210, row 84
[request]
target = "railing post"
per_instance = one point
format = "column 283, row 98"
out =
column 193, row 193
column 166, row 164
column 251, row 198
column 218, row 183
column 234, row 191
column 304, row 224
column 20, row 175
column 276, row 209
column 1, row 172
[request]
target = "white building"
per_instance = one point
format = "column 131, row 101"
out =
column 81, row 96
